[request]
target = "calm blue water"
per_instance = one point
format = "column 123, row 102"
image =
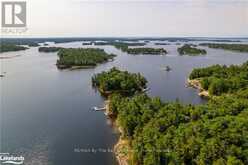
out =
column 45, row 113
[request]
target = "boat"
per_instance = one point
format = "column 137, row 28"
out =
column 166, row 68
column 145, row 90
column 98, row 109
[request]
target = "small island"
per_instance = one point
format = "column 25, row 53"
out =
column 190, row 50
column 4, row 47
column 77, row 58
column 87, row 43
column 123, row 46
column 49, row 49
column 161, row 43
column 232, row 47
column 117, row 81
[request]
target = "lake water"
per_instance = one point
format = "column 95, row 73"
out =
column 45, row 112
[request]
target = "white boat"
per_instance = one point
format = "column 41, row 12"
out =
column 98, row 109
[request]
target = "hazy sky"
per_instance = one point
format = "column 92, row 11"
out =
column 135, row 18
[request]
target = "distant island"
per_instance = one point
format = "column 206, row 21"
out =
column 140, row 50
column 233, row 47
column 124, row 46
column 49, row 49
column 161, row 43
column 76, row 58
column 11, row 47
column 151, row 51
column 188, row 49
column 87, row 43
column 33, row 44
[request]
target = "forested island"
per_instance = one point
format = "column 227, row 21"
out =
column 87, row 43
column 151, row 51
column 49, row 49
column 161, row 43
column 233, row 47
column 11, row 47
column 140, row 50
column 119, row 45
column 218, row 80
column 154, row 132
column 33, row 44
column 117, row 81
column 75, row 58
column 190, row 50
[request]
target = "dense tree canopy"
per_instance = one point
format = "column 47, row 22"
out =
column 152, row 51
column 171, row 133
column 71, row 57
column 49, row 49
column 222, row 79
column 162, row 133
column 190, row 50
column 116, row 80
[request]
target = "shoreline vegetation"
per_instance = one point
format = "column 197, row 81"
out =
column 49, row 49
column 232, row 47
column 11, row 47
column 191, row 50
column 78, row 58
column 217, row 79
column 156, row 132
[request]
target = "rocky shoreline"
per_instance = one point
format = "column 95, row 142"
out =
column 122, row 147
column 195, row 83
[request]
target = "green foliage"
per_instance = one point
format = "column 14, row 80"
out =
column 153, row 51
column 215, row 133
column 119, row 81
column 11, row 47
column 234, row 47
column 172, row 133
column 49, row 49
column 222, row 79
column 190, row 50
column 82, row 57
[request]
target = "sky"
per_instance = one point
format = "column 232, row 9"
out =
column 136, row 18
